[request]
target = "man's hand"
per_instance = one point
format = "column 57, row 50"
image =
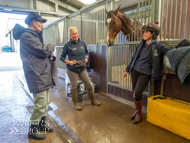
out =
column 124, row 74
column 51, row 58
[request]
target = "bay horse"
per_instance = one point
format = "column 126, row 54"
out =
column 116, row 22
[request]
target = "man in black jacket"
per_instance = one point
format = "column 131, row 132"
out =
column 36, row 58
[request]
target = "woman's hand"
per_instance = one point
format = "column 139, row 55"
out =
column 86, row 60
column 124, row 74
column 71, row 63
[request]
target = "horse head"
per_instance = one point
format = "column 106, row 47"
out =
column 113, row 24
column 116, row 22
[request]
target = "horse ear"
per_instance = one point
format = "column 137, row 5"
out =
column 106, row 11
column 117, row 10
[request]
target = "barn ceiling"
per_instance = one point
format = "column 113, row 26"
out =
column 55, row 7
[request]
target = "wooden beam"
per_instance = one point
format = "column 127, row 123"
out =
column 64, row 5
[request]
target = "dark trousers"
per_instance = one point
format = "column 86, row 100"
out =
column 139, row 82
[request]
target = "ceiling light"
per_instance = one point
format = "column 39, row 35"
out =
column 87, row 1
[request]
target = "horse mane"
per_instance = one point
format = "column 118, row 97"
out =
column 126, row 27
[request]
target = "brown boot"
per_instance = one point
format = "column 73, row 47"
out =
column 135, row 112
column 138, row 117
column 133, row 115
column 91, row 96
column 74, row 99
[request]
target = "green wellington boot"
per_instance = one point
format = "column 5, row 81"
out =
column 74, row 99
column 91, row 96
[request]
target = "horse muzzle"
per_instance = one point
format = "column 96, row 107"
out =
column 110, row 43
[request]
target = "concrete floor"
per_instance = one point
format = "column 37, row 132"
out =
column 15, row 111
column 108, row 123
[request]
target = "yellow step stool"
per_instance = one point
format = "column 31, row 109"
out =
column 170, row 114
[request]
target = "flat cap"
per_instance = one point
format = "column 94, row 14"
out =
column 34, row 16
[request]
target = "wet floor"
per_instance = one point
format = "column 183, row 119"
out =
column 15, row 112
column 108, row 123
column 17, row 106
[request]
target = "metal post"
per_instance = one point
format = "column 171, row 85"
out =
column 179, row 29
column 175, row 18
column 170, row 21
column 161, row 20
column 165, row 26
column 56, row 7
column 34, row 4
column 185, row 18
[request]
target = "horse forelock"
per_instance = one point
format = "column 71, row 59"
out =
column 126, row 23
column 110, row 13
column 123, row 17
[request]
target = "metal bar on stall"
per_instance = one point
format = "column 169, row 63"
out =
column 120, row 66
column 107, row 69
column 126, row 62
column 104, row 23
column 135, row 42
column 130, row 48
column 165, row 28
column 81, row 26
column 189, row 30
column 66, row 30
column 170, row 20
column 118, row 61
column 153, row 11
column 144, row 11
column 179, row 34
column 185, row 18
column 141, row 11
column 138, row 22
column 148, row 11
column 109, row 63
column 55, row 33
column 175, row 21
column 161, row 20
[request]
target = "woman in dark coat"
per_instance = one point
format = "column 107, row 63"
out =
column 146, row 63
column 77, row 51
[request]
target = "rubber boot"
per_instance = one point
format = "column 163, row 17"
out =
column 44, row 127
column 138, row 117
column 74, row 99
column 34, row 133
column 91, row 96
